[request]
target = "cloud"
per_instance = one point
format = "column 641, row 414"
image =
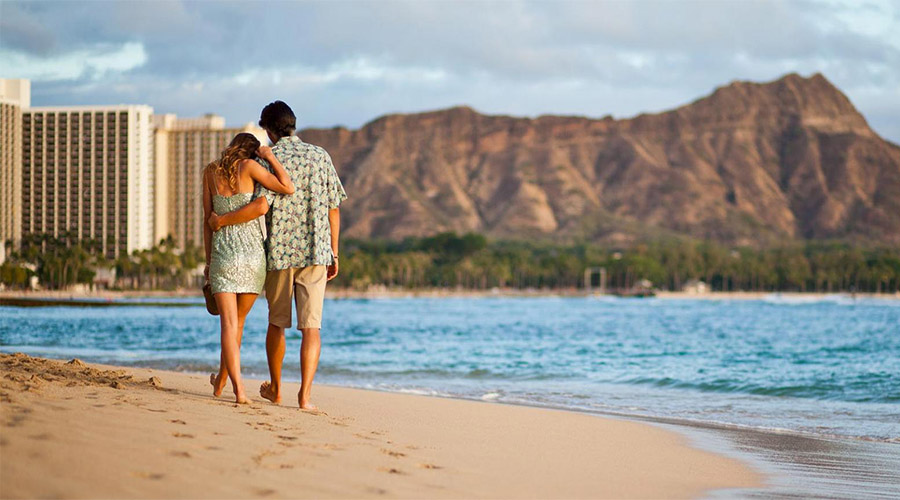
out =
column 94, row 63
column 348, row 62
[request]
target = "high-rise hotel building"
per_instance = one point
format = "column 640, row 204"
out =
column 15, row 95
column 86, row 170
column 117, row 175
column 183, row 147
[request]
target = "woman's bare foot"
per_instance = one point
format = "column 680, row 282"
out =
column 267, row 390
column 240, row 397
column 217, row 383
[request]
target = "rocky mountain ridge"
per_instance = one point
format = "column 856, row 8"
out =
column 752, row 163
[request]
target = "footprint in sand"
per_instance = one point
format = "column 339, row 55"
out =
column 149, row 475
column 182, row 454
column 391, row 470
column 181, row 435
column 430, row 466
column 395, row 454
column 177, row 421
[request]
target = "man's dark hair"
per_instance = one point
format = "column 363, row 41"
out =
column 278, row 118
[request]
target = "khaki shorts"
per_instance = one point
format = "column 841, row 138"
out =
column 306, row 285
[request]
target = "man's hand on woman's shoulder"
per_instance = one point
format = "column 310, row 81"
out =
column 265, row 152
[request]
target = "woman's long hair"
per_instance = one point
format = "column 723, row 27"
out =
column 242, row 147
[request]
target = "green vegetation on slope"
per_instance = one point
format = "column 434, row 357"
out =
column 471, row 261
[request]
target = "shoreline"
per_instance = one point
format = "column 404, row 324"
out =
column 342, row 293
column 708, row 425
column 677, row 422
column 371, row 443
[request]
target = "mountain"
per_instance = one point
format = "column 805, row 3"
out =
column 752, row 163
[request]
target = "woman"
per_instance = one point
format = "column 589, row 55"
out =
column 235, row 257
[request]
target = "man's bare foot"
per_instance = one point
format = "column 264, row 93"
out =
column 267, row 391
column 307, row 406
column 217, row 383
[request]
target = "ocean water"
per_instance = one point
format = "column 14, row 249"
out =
column 815, row 368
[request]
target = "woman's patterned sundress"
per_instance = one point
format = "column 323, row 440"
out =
column 238, row 256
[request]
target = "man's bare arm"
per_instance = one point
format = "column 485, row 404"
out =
column 246, row 213
column 334, row 220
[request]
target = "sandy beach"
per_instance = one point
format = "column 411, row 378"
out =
column 71, row 430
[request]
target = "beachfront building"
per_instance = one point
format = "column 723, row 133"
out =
column 182, row 148
column 15, row 96
column 86, row 170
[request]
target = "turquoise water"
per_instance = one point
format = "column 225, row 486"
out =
column 817, row 367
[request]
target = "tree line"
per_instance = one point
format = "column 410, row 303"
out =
column 471, row 261
column 65, row 260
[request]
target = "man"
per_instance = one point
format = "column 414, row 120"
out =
column 302, row 246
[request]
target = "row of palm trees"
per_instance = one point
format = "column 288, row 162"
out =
column 470, row 261
column 62, row 261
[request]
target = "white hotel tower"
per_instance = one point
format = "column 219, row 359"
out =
column 15, row 96
column 88, row 170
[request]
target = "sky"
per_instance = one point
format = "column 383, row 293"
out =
column 348, row 62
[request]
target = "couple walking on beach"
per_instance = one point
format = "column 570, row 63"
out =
column 296, row 187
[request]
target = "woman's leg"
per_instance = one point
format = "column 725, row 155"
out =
column 218, row 380
column 245, row 302
column 231, row 352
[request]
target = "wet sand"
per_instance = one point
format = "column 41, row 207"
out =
column 71, row 430
column 799, row 466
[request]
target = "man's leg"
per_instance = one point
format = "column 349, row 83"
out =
column 279, row 290
column 275, row 347
column 310, row 295
column 309, row 362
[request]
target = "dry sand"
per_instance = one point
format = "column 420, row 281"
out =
column 71, row 430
